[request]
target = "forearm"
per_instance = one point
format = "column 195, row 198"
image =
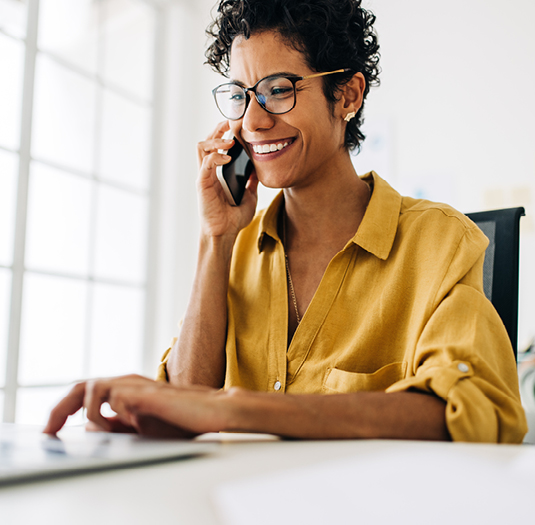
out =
column 403, row 415
column 198, row 357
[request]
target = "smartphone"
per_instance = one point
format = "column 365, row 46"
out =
column 234, row 175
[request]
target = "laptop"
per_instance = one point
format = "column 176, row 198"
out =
column 28, row 454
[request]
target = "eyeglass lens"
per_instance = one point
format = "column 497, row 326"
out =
column 274, row 94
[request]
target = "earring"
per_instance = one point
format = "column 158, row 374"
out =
column 349, row 116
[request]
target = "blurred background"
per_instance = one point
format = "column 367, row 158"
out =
column 102, row 103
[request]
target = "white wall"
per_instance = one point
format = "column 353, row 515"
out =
column 454, row 114
column 189, row 116
column 457, row 106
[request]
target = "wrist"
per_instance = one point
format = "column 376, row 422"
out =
column 219, row 245
column 234, row 409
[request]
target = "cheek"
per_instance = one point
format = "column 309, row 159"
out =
column 319, row 126
column 329, row 133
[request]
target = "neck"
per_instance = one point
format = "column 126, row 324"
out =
column 329, row 211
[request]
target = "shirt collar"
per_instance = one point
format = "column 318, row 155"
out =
column 269, row 221
column 379, row 225
column 377, row 230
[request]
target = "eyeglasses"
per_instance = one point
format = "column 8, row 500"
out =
column 275, row 94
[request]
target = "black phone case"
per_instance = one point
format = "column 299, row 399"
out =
column 234, row 175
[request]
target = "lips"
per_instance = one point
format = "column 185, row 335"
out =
column 267, row 148
column 270, row 149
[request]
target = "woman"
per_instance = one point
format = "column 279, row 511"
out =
column 341, row 311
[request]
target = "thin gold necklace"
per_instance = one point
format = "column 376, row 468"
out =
column 288, row 274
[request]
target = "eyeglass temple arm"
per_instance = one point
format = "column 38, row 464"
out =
column 345, row 70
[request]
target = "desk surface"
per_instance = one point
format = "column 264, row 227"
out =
column 295, row 482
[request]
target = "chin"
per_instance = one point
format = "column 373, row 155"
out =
column 272, row 180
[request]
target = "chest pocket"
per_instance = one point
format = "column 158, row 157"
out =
column 341, row 381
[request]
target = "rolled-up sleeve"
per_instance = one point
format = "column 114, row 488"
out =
column 464, row 356
column 161, row 373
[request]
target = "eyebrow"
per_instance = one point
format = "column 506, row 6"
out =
column 276, row 74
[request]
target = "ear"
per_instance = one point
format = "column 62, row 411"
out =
column 352, row 95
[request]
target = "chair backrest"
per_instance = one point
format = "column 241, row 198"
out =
column 500, row 269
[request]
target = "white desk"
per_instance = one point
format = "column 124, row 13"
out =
column 368, row 482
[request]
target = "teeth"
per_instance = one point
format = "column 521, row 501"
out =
column 268, row 148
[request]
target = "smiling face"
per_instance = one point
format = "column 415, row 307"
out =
column 296, row 148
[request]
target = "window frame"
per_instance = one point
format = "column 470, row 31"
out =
column 17, row 268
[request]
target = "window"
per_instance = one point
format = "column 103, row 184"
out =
column 76, row 180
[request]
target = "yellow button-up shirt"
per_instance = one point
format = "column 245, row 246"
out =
column 401, row 307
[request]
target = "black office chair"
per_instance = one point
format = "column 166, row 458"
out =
column 500, row 269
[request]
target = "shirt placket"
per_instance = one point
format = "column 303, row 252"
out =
column 317, row 311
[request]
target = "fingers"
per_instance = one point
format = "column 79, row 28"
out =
column 157, row 409
column 210, row 162
column 105, row 391
column 210, row 154
column 221, row 128
column 125, row 396
column 211, row 147
column 116, row 425
column 91, row 395
column 97, row 393
column 207, row 173
column 214, row 142
column 68, row 406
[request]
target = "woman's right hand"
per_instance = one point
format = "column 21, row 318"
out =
column 218, row 217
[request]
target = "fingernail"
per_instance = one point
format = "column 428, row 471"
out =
column 226, row 157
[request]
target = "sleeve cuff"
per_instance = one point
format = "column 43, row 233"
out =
column 161, row 373
column 472, row 404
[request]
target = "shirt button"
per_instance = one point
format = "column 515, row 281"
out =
column 463, row 367
column 277, row 385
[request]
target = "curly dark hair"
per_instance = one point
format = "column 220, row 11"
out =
column 331, row 34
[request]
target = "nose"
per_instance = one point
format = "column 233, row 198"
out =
column 256, row 118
